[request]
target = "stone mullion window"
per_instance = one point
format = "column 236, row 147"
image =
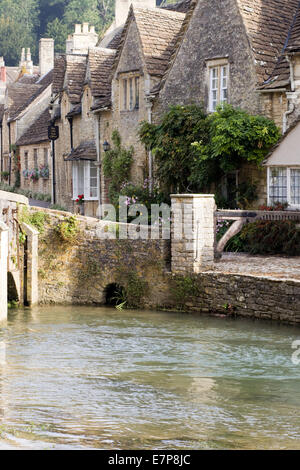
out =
column 137, row 93
column 45, row 157
column 129, row 93
column 26, row 160
column 35, row 158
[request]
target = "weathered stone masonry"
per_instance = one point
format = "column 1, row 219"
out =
column 79, row 273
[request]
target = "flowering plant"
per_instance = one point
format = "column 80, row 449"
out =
column 26, row 173
column 44, row 171
column 80, row 199
column 34, row 174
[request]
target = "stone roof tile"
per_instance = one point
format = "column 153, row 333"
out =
column 100, row 62
column 268, row 24
column 85, row 151
column 38, row 131
column 21, row 95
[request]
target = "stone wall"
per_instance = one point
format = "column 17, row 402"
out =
column 241, row 295
column 79, row 273
column 187, row 81
column 42, row 185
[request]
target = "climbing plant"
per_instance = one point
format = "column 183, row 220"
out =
column 192, row 150
column 116, row 166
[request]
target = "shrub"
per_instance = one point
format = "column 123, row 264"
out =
column 68, row 228
column 268, row 237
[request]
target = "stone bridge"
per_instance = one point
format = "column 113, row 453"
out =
column 18, row 254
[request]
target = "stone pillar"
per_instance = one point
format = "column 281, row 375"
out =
column 3, row 270
column 32, row 263
column 193, row 232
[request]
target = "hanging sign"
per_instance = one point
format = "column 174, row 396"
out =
column 53, row 132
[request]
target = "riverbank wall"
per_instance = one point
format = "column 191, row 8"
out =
column 82, row 271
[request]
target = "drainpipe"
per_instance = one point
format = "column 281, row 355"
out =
column 1, row 143
column 150, row 159
column 70, row 119
column 292, row 78
column 9, row 147
column 97, row 124
column 291, row 106
column 290, row 110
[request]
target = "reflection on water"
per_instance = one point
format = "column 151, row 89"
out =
column 86, row 377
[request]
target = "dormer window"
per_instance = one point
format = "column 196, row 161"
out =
column 218, row 78
column 129, row 93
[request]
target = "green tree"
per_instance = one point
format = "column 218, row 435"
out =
column 171, row 144
column 193, row 150
column 19, row 22
column 57, row 30
column 96, row 12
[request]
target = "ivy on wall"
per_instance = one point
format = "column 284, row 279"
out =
column 116, row 166
column 193, row 150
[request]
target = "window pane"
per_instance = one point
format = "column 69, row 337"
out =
column 137, row 93
column 125, row 94
column 26, row 160
column 295, row 186
column 223, row 85
column 278, row 185
column 35, row 158
column 93, row 181
column 80, row 178
column 45, row 157
column 130, row 94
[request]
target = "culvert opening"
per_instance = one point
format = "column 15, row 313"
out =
column 12, row 292
column 115, row 294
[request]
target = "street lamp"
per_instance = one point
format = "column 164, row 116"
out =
column 106, row 146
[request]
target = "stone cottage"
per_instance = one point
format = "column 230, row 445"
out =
column 243, row 52
column 34, row 147
column 25, row 100
column 81, row 88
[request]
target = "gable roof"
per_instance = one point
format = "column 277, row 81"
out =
column 158, row 30
column 75, row 76
column 286, row 150
column 59, row 74
column 268, row 24
column 20, row 95
column 38, row 131
column 100, row 62
column 294, row 37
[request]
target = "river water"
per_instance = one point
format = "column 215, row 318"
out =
column 85, row 377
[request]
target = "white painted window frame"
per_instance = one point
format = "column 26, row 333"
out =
column 87, row 180
column 288, row 182
column 219, row 65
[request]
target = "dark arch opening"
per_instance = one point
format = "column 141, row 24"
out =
column 12, row 292
column 115, row 294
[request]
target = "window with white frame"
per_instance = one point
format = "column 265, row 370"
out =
column 218, row 84
column 85, row 180
column 284, row 185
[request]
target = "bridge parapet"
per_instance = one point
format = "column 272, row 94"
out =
column 17, row 258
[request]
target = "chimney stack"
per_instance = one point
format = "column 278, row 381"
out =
column 2, row 80
column 83, row 38
column 29, row 63
column 46, row 55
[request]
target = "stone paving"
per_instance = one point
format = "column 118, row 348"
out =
column 278, row 267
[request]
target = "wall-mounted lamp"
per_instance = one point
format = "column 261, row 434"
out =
column 106, row 146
